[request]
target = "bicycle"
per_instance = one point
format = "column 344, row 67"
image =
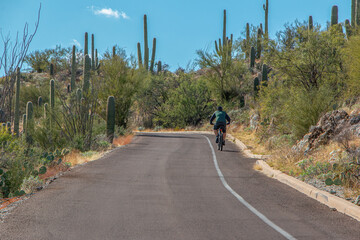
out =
column 221, row 138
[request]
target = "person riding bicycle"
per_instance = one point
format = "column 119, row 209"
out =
column 221, row 118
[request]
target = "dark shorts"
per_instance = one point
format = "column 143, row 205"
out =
column 220, row 125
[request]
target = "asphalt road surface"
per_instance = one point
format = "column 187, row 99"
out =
column 172, row 186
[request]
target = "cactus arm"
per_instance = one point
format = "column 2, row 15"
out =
column 86, row 47
column 153, row 56
column 146, row 45
column 334, row 15
column 73, row 68
column 92, row 52
column 17, row 104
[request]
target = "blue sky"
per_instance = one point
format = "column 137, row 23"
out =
column 181, row 27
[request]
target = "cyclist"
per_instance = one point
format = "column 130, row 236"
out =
column 221, row 118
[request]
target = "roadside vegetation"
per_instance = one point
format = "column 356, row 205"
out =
column 78, row 101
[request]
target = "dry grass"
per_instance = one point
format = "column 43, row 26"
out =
column 250, row 139
column 123, row 140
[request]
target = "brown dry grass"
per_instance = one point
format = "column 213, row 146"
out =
column 250, row 139
column 123, row 140
column 257, row 167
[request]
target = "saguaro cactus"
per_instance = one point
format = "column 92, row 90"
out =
column 224, row 28
column 256, row 86
column 110, row 118
column 146, row 46
column 252, row 57
column 96, row 59
column 264, row 73
column 247, row 43
column 311, row 24
column 29, row 122
column 51, row 69
column 86, row 74
column 52, row 94
column 92, row 52
column 114, row 51
column 17, row 103
column 266, row 9
column 357, row 13
column 78, row 95
column 40, row 101
column 153, row 56
column 24, row 123
column 73, row 68
column 258, row 44
column 86, row 46
column 159, row 67
column 139, row 55
column 353, row 12
column 46, row 109
column 334, row 15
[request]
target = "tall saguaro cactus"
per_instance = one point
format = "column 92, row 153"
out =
column 264, row 79
column 152, row 63
column 311, row 23
column 146, row 46
column 110, row 118
column 348, row 28
column 73, row 68
column 86, row 45
column 256, row 86
column 52, row 94
column 266, row 9
column 86, row 74
column 353, row 12
column 247, row 41
column 258, row 44
column 139, row 55
column 224, row 28
column 17, row 104
column 252, row 57
column 29, row 122
column 92, row 52
column 334, row 15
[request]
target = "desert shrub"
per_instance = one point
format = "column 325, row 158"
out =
column 188, row 104
column 31, row 183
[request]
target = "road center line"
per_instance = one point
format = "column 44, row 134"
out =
column 245, row 203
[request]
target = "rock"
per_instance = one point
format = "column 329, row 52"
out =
column 332, row 191
column 355, row 120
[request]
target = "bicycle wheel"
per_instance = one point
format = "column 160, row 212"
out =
column 221, row 142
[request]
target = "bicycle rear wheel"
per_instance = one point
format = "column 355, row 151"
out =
column 221, row 139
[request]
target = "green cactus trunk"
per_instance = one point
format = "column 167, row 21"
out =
column 46, row 110
column 92, row 52
column 78, row 96
column 110, row 118
column 353, row 12
column 247, row 45
column 224, row 29
column 40, row 101
column 146, row 45
column 139, row 55
column 73, row 68
column 51, row 69
column 152, row 63
column 17, row 104
column 310, row 24
column 29, row 122
column 334, row 15
column 256, row 86
column 96, row 60
column 52, row 94
column 86, row 47
column 24, row 123
column 252, row 57
column 258, row 44
column 266, row 9
column 357, row 13
column 86, row 74
column 264, row 73
column 114, row 51
column 159, row 67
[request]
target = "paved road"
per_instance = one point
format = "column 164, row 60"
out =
column 166, row 186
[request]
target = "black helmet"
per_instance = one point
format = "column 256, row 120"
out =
column 219, row 108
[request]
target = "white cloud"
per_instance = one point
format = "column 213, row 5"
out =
column 109, row 12
column 76, row 43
